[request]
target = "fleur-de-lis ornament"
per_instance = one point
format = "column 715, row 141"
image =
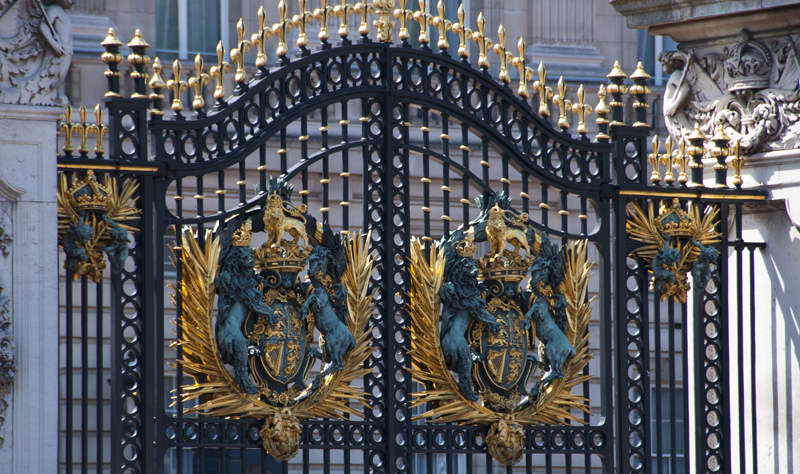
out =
column 218, row 73
column 343, row 11
column 83, row 132
column 197, row 82
column 157, row 85
column 464, row 33
column 98, row 130
column 525, row 73
column 322, row 14
column 666, row 160
column 545, row 92
column 500, row 50
column 280, row 30
column 300, row 21
column 582, row 110
column 65, row 128
column 680, row 162
column 403, row 15
column 443, row 24
column 364, row 10
column 564, row 104
column 424, row 19
column 655, row 160
column 178, row 87
column 259, row 40
column 237, row 55
column 484, row 43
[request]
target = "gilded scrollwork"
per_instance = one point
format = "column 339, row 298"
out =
column 478, row 350
column 267, row 318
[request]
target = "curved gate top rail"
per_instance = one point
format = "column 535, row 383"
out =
column 399, row 109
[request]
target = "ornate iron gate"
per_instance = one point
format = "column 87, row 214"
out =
column 353, row 126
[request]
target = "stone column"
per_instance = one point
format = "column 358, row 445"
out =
column 29, row 267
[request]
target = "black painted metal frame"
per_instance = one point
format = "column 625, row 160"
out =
column 183, row 158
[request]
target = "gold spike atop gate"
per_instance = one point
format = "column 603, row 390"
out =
column 376, row 21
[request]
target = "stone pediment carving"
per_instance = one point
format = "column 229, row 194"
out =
column 35, row 50
column 749, row 88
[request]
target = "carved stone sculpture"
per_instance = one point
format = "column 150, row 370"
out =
column 749, row 88
column 35, row 50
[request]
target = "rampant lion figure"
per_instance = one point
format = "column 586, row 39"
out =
column 75, row 238
column 701, row 271
column 117, row 248
column 548, row 310
column 662, row 266
column 328, row 302
column 461, row 304
column 237, row 286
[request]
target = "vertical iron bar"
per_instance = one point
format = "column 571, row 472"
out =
column 753, row 405
column 686, row 396
column 673, row 413
column 84, row 374
column 445, row 137
column 99, row 375
column 659, row 438
column 739, row 331
column 68, row 372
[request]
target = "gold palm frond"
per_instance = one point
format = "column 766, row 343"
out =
column 428, row 367
column 219, row 394
column 641, row 227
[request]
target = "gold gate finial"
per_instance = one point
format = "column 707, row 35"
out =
column 98, row 130
column 424, row 19
column 218, row 73
column 464, row 33
column 300, row 21
column 443, row 24
column 177, row 86
column 83, row 132
column 65, row 127
column 343, row 11
column 237, row 54
column 364, row 10
column 545, row 92
column 525, row 73
column 403, row 15
column 259, row 40
column 655, row 161
column 484, row 43
column 582, row 110
column 680, row 162
column 280, row 30
column 197, row 82
column 322, row 15
column 666, row 160
column 138, row 59
column 112, row 58
column 500, row 50
column 737, row 162
column 157, row 85
column 564, row 104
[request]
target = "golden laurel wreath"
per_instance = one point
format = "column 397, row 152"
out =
column 447, row 403
column 214, row 386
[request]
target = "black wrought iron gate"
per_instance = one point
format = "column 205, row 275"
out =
column 399, row 140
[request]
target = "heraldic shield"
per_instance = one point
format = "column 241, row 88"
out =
column 252, row 358
column 475, row 328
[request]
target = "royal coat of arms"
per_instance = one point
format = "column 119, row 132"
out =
column 254, row 356
column 677, row 242
column 475, row 329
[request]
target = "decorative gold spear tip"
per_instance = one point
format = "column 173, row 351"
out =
column 280, row 29
column 484, row 43
column 424, row 19
column 666, row 160
column 464, row 33
column 218, row 73
column 177, row 86
column 403, row 15
column 98, row 130
column 525, row 73
column 738, row 163
column 500, row 50
column 655, row 160
column 197, row 82
column 545, row 92
column 564, row 104
column 582, row 110
column 322, row 14
column 443, row 24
